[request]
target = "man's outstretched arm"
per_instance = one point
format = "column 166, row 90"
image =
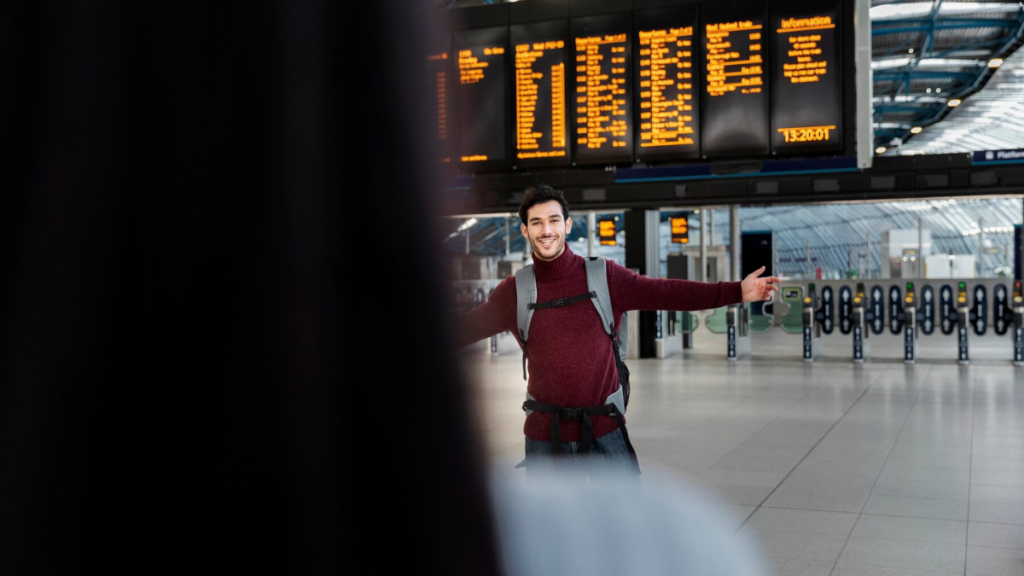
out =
column 635, row 292
column 492, row 317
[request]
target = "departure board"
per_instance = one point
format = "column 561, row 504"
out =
column 602, row 99
column 668, row 114
column 540, row 55
column 483, row 95
column 806, row 85
column 735, row 96
column 439, row 75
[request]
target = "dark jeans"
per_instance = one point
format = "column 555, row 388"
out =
column 608, row 455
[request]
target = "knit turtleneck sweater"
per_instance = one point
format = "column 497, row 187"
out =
column 571, row 362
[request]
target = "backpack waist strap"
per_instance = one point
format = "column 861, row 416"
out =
column 583, row 415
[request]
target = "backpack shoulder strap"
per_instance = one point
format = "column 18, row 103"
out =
column 597, row 282
column 526, row 294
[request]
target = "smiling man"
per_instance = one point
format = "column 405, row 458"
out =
column 576, row 376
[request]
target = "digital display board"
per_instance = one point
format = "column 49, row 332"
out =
column 668, row 114
column 439, row 65
column 587, row 83
column 540, row 54
column 680, row 229
column 806, row 85
column 735, row 96
column 483, row 95
column 606, row 231
column 602, row 99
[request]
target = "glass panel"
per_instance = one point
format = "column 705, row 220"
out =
column 761, row 322
column 689, row 322
column 716, row 321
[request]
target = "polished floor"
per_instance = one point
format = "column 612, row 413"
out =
column 833, row 468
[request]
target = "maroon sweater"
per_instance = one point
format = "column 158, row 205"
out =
column 571, row 362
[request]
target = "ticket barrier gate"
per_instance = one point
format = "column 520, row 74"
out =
column 1017, row 313
column 905, row 317
column 864, row 315
column 817, row 317
column 912, row 314
column 916, row 317
column 737, row 321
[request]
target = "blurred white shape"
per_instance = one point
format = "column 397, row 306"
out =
column 613, row 525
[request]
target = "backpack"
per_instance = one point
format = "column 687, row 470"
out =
column 597, row 283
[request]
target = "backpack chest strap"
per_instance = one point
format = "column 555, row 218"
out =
column 560, row 302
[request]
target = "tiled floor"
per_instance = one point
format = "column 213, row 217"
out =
column 878, row 469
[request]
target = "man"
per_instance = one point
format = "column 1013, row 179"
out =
column 572, row 360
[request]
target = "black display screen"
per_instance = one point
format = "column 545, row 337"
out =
column 601, row 95
column 667, row 79
column 540, row 54
column 806, row 83
column 483, row 95
column 439, row 66
column 734, row 96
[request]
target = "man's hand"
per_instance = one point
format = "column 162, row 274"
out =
column 758, row 289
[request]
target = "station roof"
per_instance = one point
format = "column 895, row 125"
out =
column 944, row 69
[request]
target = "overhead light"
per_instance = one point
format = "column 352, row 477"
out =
column 953, row 103
column 911, row 51
column 883, row 63
column 961, row 62
column 995, row 63
column 938, row 90
column 915, row 130
column 880, row 150
column 928, row 90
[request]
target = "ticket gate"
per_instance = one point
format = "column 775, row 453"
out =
column 737, row 320
column 816, row 318
column 1018, row 325
column 954, row 315
column 914, row 311
column 864, row 315
column 1008, row 313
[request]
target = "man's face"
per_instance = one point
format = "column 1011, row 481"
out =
column 545, row 229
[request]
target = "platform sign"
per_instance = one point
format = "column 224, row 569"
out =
column 680, row 229
column 602, row 94
column 606, row 232
column 483, row 95
column 540, row 60
column 667, row 80
column 734, row 94
column 1011, row 156
column 439, row 66
column 806, row 79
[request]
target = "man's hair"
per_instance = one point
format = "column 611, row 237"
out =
column 538, row 195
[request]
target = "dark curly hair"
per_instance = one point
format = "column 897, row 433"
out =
column 540, row 194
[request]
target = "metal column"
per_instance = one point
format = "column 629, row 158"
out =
column 642, row 247
column 734, row 243
column 703, row 276
column 920, row 248
column 591, row 232
column 981, row 249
